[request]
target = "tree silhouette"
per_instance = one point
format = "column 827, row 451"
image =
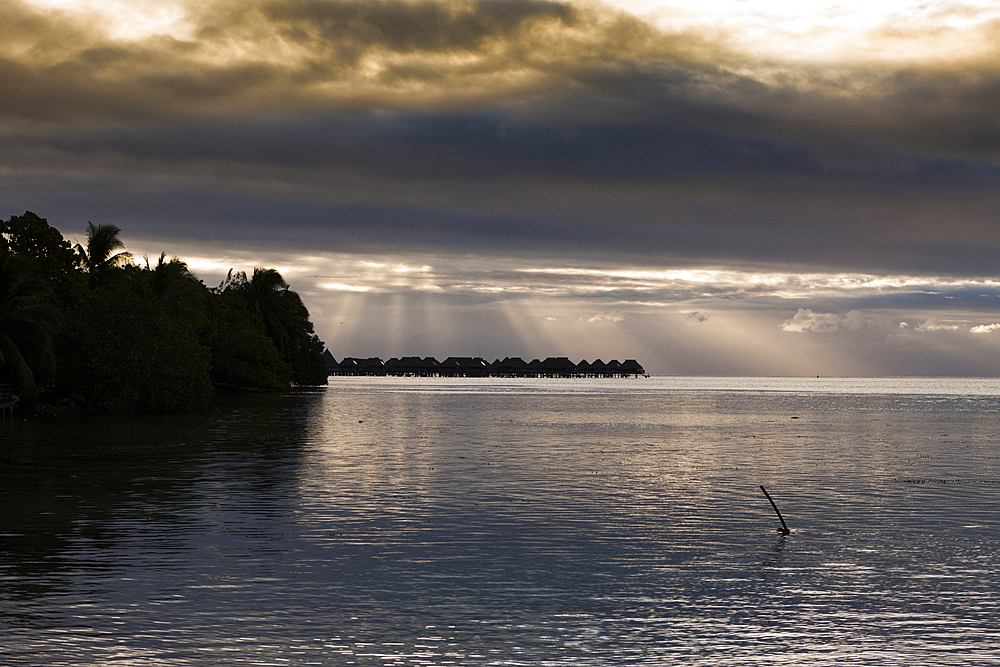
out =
column 175, row 287
column 267, row 295
column 31, row 237
column 145, row 336
column 100, row 259
column 285, row 320
column 124, row 352
column 242, row 355
column 28, row 324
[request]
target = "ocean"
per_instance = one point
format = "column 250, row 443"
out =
column 433, row 521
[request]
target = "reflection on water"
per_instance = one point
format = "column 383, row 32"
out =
column 431, row 522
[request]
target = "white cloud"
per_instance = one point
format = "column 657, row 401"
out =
column 342, row 287
column 985, row 328
column 806, row 320
column 609, row 316
column 932, row 324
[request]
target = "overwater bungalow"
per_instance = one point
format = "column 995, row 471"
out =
column 632, row 367
column 463, row 367
column 355, row 366
column 413, row 366
column 510, row 367
column 558, row 367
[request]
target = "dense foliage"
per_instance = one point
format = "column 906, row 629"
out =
column 28, row 325
column 123, row 352
column 87, row 323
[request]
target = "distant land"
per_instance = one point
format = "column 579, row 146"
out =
column 478, row 367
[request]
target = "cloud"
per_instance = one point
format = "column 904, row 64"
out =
column 352, row 27
column 531, row 151
column 310, row 54
column 489, row 89
column 985, row 328
column 558, row 64
column 806, row 320
column 932, row 324
column 610, row 316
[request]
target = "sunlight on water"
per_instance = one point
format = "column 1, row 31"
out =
column 511, row 522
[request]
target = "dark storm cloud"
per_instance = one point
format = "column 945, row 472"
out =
column 352, row 28
column 475, row 181
column 535, row 127
column 552, row 62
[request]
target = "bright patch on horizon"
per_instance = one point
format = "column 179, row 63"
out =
column 780, row 284
column 342, row 287
column 804, row 14
column 774, row 26
column 892, row 30
column 124, row 19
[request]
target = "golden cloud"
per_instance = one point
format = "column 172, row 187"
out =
column 552, row 61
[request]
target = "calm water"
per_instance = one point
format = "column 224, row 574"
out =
column 538, row 522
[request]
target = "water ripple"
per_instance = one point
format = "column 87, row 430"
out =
column 397, row 524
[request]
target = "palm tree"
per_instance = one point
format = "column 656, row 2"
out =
column 28, row 325
column 285, row 320
column 99, row 258
column 267, row 295
column 172, row 283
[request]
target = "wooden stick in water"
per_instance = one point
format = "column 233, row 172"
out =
column 784, row 528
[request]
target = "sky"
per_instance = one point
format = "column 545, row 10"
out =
column 735, row 187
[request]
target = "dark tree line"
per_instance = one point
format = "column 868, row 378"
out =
column 89, row 323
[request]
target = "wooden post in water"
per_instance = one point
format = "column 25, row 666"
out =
column 784, row 528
